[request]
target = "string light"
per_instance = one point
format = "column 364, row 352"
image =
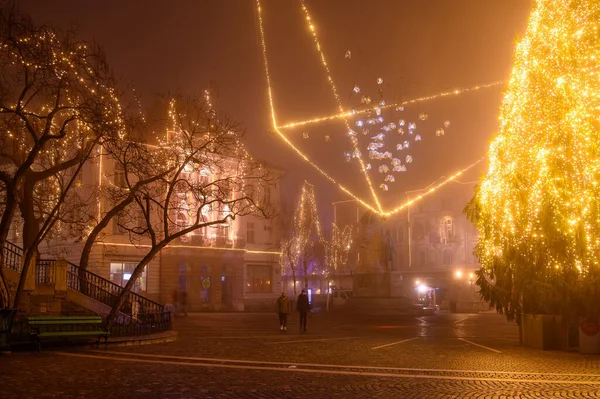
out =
column 280, row 134
column 454, row 92
column 337, row 249
column 121, row 244
column 343, row 115
column 432, row 189
column 361, row 163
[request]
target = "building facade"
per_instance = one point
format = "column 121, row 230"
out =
column 427, row 248
column 226, row 267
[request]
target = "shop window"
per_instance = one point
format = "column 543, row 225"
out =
column 258, row 278
column 447, row 257
column 446, row 229
column 250, row 233
column 120, row 273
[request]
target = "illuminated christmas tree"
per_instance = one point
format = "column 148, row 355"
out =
column 538, row 207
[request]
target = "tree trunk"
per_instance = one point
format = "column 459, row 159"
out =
column 30, row 223
column 91, row 240
column 294, row 280
column 27, row 256
column 134, row 276
column 7, row 217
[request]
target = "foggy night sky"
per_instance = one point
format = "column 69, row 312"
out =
column 418, row 47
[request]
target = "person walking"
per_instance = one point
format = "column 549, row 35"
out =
column 283, row 309
column 303, row 307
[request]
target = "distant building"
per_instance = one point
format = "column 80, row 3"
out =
column 428, row 246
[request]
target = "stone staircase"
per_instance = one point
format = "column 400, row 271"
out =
column 55, row 286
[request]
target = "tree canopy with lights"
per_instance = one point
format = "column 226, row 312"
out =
column 537, row 209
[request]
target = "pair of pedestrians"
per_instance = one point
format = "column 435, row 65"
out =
column 302, row 306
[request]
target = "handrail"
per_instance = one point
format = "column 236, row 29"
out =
column 12, row 256
column 45, row 272
column 83, row 281
column 107, row 292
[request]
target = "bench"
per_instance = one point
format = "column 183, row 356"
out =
column 67, row 326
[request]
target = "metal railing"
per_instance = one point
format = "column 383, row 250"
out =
column 83, row 281
column 107, row 292
column 45, row 271
column 141, row 324
column 12, row 256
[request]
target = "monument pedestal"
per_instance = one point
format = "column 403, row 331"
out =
column 379, row 292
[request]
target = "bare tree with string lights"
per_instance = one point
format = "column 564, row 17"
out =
column 336, row 253
column 207, row 180
column 57, row 104
column 303, row 243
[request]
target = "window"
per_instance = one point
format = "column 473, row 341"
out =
column 119, row 175
column 250, row 233
column 421, row 258
column 204, row 177
column 418, row 232
column 116, row 221
column 258, row 278
column 267, row 196
column 446, row 229
column 120, row 273
column 447, row 257
column 432, row 257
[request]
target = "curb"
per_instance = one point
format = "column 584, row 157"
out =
column 159, row 338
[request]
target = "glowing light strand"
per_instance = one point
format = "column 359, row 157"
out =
column 363, row 168
column 281, row 135
column 314, row 165
column 347, row 114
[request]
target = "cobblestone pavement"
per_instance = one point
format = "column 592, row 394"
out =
column 342, row 355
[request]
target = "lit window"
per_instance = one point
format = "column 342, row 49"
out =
column 446, row 229
column 259, row 278
column 121, row 272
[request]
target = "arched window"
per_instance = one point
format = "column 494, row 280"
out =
column 447, row 257
column 446, row 229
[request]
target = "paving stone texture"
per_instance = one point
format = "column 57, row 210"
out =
column 243, row 355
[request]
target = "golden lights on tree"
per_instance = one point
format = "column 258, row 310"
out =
column 538, row 207
column 337, row 248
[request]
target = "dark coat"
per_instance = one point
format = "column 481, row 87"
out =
column 283, row 304
column 302, row 304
